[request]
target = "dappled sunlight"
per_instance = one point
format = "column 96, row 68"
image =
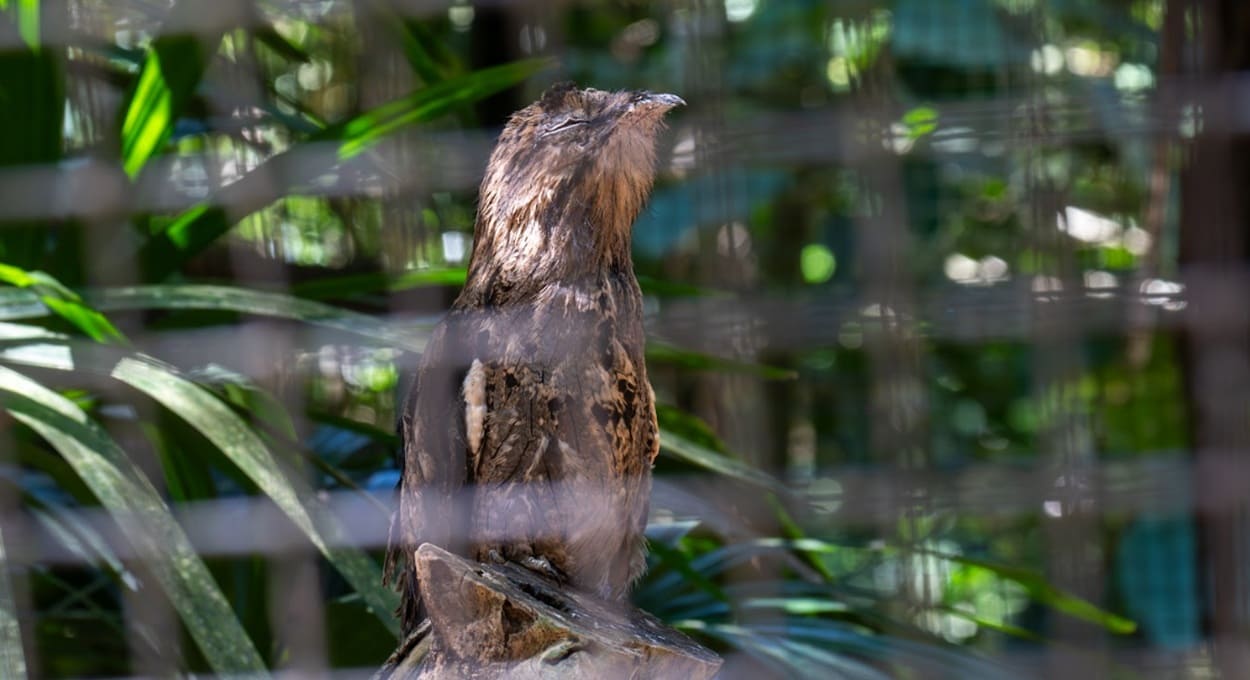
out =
column 943, row 306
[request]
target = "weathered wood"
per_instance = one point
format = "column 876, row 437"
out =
column 503, row 621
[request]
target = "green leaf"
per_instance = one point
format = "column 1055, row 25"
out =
column 341, row 287
column 12, row 658
column 28, row 22
column 245, row 449
column 367, row 129
column 662, row 352
column 984, row 622
column 690, row 427
column 794, row 659
column 714, row 562
column 32, row 123
column 817, row 263
column 1046, row 593
column 670, row 289
column 200, row 225
column 686, row 450
column 924, row 659
column 413, row 40
column 1034, row 584
column 387, row 438
column 920, row 121
column 804, row 606
column 190, row 465
column 171, row 71
column 136, row 505
column 23, row 305
column 272, row 39
column 246, row 395
column 80, row 538
column 680, row 562
column 63, row 302
column 237, row 441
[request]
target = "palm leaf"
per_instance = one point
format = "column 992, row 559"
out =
column 172, row 69
column 203, row 223
column 135, row 504
column 12, row 658
column 220, row 425
column 21, row 304
column 1046, row 593
column 63, row 302
column 684, row 449
column 235, row 439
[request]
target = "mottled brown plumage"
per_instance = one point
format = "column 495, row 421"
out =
column 530, row 431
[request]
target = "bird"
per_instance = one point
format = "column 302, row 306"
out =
column 529, row 432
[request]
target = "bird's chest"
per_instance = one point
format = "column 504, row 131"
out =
column 560, row 393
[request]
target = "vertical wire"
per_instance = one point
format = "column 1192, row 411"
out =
column 147, row 614
column 898, row 407
column 1070, row 519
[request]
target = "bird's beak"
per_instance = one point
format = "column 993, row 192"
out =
column 663, row 101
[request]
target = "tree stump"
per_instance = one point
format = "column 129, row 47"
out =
column 503, row 621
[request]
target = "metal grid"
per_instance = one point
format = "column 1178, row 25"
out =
column 1089, row 508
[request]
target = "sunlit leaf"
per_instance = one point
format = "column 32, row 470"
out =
column 920, row 121
column 817, row 263
column 795, row 605
column 171, row 71
column 1046, row 593
column 242, row 445
column 985, row 622
column 200, row 225
column 28, row 22
column 428, row 103
column 130, row 498
column 237, row 441
column 63, row 302
column 246, row 395
column 1034, row 584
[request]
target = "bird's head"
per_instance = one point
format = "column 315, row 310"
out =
column 571, row 172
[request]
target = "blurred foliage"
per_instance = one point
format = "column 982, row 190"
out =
column 282, row 170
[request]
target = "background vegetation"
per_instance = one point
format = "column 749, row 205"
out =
column 912, row 270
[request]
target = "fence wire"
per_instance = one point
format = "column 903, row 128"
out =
column 960, row 328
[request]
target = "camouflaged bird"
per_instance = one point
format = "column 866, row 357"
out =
column 530, row 430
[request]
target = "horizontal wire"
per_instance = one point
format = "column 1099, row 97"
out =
column 848, row 497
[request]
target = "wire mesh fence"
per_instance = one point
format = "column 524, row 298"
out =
column 944, row 304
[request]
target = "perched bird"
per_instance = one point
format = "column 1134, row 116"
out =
column 530, row 430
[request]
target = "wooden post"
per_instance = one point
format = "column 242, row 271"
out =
column 503, row 621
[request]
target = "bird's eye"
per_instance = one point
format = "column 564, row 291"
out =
column 561, row 125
